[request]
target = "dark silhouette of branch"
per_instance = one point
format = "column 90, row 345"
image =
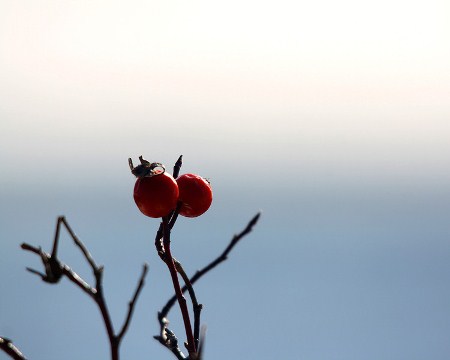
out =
column 222, row 257
column 190, row 344
column 10, row 349
column 172, row 216
column 83, row 248
column 132, row 302
column 164, row 337
column 54, row 269
column 197, row 308
column 201, row 345
column 66, row 270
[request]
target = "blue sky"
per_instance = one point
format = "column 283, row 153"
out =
column 331, row 118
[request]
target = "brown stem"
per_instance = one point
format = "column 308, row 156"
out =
column 197, row 308
column 190, row 345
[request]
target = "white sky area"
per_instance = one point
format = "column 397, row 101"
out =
column 333, row 84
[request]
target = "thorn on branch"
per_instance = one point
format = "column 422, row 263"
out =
column 177, row 167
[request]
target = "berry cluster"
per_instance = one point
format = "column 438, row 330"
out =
column 157, row 193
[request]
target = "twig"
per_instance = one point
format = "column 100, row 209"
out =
column 54, row 269
column 197, row 308
column 201, row 346
column 66, row 270
column 173, row 216
column 78, row 243
column 222, row 257
column 101, row 303
column 132, row 303
column 190, row 344
column 10, row 349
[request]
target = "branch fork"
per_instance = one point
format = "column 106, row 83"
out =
column 55, row 270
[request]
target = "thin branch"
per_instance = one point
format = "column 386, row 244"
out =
column 201, row 346
column 66, row 270
column 190, row 344
column 54, row 269
column 158, row 242
column 197, row 308
column 222, row 257
column 78, row 243
column 132, row 303
column 98, row 295
column 173, row 216
column 52, row 266
column 227, row 250
column 101, row 303
column 56, row 239
column 78, row 281
column 10, row 349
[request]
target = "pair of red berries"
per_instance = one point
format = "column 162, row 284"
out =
column 157, row 193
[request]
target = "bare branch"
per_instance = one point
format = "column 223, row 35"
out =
column 190, row 344
column 172, row 216
column 56, row 239
column 78, row 281
column 10, row 349
column 132, row 303
column 101, row 303
column 54, row 269
column 222, row 257
column 52, row 266
column 78, row 242
column 98, row 295
column 201, row 346
column 197, row 308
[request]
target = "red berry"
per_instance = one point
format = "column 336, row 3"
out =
column 156, row 196
column 195, row 195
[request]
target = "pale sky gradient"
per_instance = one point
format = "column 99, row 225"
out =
column 364, row 82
